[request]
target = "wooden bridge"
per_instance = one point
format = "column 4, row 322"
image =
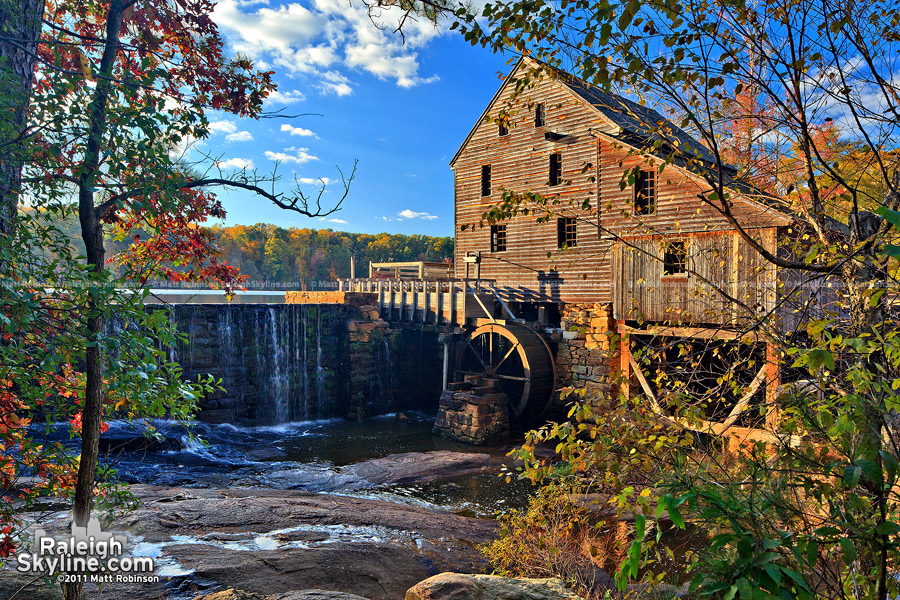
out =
column 440, row 303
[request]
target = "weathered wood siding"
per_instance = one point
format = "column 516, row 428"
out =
column 592, row 174
column 520, row 162
column 727, row 280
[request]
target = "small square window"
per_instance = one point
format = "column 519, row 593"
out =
column 486, row 180
column 675, row 258
column 555, row 168
column 502, row 128
column 540, row 117
column 645, row 193
column 566, row 236
column 498, row 238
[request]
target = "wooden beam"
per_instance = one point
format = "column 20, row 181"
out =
column 773, row 382
column 483, row 307
column 624, row 358
column 706, row 333
column 742, row 403
column 639, row 373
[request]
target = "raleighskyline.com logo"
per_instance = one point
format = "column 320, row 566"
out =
column 89, row 554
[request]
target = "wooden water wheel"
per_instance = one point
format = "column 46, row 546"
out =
column 519, row 358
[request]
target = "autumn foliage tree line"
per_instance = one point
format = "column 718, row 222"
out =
column 268, row 254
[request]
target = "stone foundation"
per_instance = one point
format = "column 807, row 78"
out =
column 473, row 412
column 587, row 352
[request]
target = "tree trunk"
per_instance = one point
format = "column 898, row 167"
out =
column 861, row 280
column 92, row 234
column 22, row 26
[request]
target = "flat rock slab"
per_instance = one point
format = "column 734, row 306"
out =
column 267, row 542
column 395, row 469
column 459, row 586
column 178, row 511
column 376, row 572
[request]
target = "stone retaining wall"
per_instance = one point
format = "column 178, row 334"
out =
column 588, row 349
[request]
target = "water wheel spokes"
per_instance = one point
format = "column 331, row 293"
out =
column 519, row 359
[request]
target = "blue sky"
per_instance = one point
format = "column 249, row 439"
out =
column 402, row 110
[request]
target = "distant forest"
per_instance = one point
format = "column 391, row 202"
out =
column 268, row 254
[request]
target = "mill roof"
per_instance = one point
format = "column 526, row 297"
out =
column 636, row 123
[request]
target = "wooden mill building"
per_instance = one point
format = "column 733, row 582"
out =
column 610, row 245
column 645, row 244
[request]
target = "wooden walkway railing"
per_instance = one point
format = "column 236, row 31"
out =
column 449, row 303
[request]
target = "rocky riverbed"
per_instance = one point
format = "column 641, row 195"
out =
column 267, row 523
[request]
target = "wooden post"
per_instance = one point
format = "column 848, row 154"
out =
column 438, row 304
column 773, row 382
column 452, row 319
column 402, row 300
column 391, row 300
column 624, row 358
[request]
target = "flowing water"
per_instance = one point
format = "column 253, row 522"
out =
column 204, row 455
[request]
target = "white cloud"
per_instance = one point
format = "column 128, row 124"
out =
column 411, row 214
column 222, row 127
column 235, row 163
column 240, row 136
column 341, row 221
column 299, row 155
column 319, row 38
column 287, row 97
column 335, row 83
column 314, row 181
column 180, row 149
column 298, row 131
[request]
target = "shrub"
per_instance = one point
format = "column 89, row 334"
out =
column 556, row 537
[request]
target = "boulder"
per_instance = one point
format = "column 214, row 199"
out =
column 458, row 586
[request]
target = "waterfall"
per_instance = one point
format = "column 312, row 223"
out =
column 320, row 371
column 280, row 363
column 387, row 399
column 278, row 374
column 304, row 364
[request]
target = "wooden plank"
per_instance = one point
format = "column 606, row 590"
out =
column 696, row 332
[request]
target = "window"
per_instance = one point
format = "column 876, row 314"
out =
column 675, row 259
column 486, row 180
column 565, row 232
column 503, row 129
column 539, row 116
column 498, row 238
column 645, row 193
column 555, row 168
